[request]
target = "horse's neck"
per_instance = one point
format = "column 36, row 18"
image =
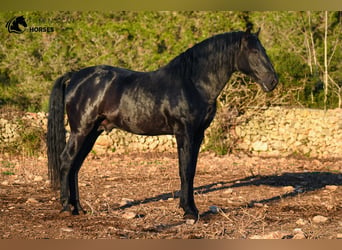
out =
column 208, row 65
column 213, row 77
column 211, row 87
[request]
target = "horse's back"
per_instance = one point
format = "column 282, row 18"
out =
column 99, row 72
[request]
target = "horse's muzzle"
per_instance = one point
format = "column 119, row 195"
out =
column 270, row 83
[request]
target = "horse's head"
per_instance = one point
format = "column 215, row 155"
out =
column 252, row 60
column 21, row 20
column 13, row 25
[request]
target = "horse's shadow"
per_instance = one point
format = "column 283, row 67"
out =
column 301, row 182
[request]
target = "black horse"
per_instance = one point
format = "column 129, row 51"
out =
column 177, row 99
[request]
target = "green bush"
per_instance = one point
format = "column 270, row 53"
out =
column 147, row 40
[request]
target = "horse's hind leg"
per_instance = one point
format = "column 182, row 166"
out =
column 76, row 150
column 73, row 175
column 67, row 158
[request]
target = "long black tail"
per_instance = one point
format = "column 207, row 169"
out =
column 56, row 130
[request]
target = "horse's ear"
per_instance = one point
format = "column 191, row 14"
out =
column 246, row 35
column 248, row 30
column 257, row 33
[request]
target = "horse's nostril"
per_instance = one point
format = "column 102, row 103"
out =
column 275, row 81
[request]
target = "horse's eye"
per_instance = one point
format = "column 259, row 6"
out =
column 255, row 51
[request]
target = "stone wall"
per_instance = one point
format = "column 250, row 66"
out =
column 123, row 142
column 272, row 132
column 12, row 123
column 281, row 131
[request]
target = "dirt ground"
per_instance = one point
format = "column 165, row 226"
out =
column 131, row 196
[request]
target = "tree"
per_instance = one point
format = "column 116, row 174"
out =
column 322, row 42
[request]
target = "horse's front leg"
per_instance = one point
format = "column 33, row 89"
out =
column 188, row 145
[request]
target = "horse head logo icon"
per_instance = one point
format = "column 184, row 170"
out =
column 16, row 25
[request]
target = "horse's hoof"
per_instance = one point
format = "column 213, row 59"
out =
column 191, row 218
column 79, row 212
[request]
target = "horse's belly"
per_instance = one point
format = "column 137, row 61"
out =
column 146, row 126
column 137, row 125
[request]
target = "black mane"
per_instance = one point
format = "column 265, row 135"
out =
column 210, row 54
